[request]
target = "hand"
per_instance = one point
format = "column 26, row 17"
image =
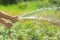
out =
column 8, row 24
column 14, row 19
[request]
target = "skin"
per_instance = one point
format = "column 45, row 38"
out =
column 4, row 16
column 7, row 24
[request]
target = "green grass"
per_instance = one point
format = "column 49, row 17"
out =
column 30, row 29
column 23, row 7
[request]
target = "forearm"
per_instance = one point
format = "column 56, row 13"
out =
column 4, row 15
column 2, row 21
column 7, row 24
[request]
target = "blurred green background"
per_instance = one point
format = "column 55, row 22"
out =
column 30, row 29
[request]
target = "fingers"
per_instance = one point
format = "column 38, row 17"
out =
column 14, row 19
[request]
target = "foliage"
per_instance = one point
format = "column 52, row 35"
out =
column 6, row 2
column 30, row 29
column 57, row 2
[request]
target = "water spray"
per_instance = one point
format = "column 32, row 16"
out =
column 35, row 11
column 25, row 16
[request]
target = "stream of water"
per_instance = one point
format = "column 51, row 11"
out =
column 40, row 18
column 24, row 16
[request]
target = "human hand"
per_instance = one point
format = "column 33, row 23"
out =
column 8, row 24
column 14, row 19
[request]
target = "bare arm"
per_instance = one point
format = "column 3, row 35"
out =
column 7, row 24
column 2, row 20
column 4, row 15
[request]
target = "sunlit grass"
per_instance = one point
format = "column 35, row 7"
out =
column 23, row 7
